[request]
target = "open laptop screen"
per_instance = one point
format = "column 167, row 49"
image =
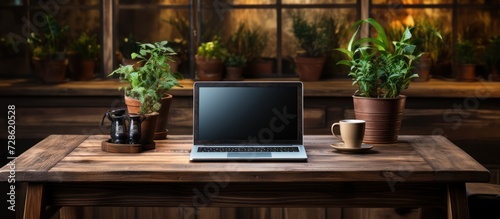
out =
column 248, row 113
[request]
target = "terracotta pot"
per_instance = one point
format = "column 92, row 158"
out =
column 174, row 64
column 50, row 70
column 81, row 69
column 309, row 69
column 233, row 73
column 148, row 128
column 466, row 72
column 259, row 67
column 161, row 131
column 209, row 70
column 133, row 105
column 423, row 69
column 383, row 118
column 495, row 73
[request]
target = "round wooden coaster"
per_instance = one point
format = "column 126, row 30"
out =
column 120, row 148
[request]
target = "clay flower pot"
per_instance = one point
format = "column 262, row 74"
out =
column 50, row 70
column 161, row 132
column 209, row 70
column 309, row 69
column 383, row 117
column 233, row 73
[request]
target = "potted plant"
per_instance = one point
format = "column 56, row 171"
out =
column 428, row 42
column 83, row 56
column 210, row 61
column 181, row 44
column 146, row 92
column 492, row 57
column 251, row 43
column 127, row 46
column 381, row 72
column 315, row 38
column 49, row 51
column 465, row 61
column 234, row 67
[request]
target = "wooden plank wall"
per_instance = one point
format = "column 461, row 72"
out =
column 472, row 124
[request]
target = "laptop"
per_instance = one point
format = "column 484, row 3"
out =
column 250, row 121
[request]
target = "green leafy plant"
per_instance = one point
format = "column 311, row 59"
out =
column 319, row 36
column 150, row 82
column 7, row 48
column 426, row 35
column 465, row 53
column 379, row 68
column 235, row 61
column 212, row 50
column 492, row 53
column 249, row 43
column 127, row 46
column 87, row 46
column 51, row 42
column 181, row 25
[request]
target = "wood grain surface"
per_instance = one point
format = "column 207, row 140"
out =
column 79, row 158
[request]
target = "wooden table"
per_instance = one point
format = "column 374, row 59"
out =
column 419, row 171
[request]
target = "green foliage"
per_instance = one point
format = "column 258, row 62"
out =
column 236, row 61
column 127, row 46
column 492, row 52
column 379, row 68
column 7, row 47
column 181, row 24
column 464, row 52
column 150, row 82
column 51, row 41
column 318, row 37
column 428, row 39
column 212, row 50
column 249, row 43
column 86, row 46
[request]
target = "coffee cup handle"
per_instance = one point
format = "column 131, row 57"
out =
column 333, row 131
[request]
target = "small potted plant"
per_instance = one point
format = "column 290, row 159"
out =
column 251, row 43
column 146, row 92
column 127, row 46
column 234, row 67
column 83, row 56
column 210, row 59
column 465, row 61
column 428, row 42
column 381, row 70
column 492, row 57
column 49, row 51
column 315, row 38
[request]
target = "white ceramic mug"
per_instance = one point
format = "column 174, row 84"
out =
column 352, row 132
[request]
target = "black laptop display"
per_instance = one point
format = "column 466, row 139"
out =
column 248, row 120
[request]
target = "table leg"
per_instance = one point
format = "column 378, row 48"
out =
column 33, row 207
column 457, row 201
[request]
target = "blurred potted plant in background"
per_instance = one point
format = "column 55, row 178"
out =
column 250, row 43
column 234, row 67
column 49, row 51
column 492, row 57
column 465, row 60
column 316, row 38
column 83, row 56
column 210, row 59
column 127, row 46
column 428, row 41
column 179, row 45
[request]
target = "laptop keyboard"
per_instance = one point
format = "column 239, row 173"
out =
column 248, row 149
